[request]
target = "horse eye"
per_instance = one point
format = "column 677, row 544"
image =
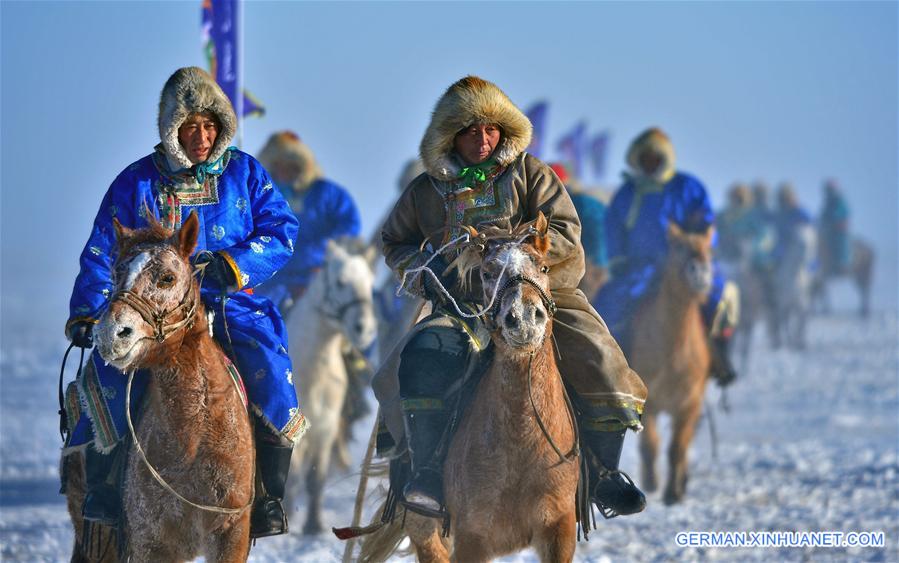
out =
column 166, row 281
column 544, row 269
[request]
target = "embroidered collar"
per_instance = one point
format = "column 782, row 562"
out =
column 198, row 171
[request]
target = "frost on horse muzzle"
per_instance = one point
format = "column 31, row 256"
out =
column 523, row 315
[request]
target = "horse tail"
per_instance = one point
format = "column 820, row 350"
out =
column 383, row 542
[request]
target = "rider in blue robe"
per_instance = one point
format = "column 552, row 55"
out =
column 833, row 228
column 653, row 195
column 324, row 209
column 246, row 234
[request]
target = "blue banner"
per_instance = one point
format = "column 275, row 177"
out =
column 537, row 115
column 221, row 39
column 598, row 151
column 572, row 148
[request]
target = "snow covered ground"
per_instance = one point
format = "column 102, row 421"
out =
column 810, row 444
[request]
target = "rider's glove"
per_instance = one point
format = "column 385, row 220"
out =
column 447, row 279
column 216, row 268
column 81, row 334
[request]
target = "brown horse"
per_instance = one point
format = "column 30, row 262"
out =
column 194, row 429
column 860, row 271
column 506, row 485
column 670, row 350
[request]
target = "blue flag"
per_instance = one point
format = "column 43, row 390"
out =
column 221, row 35
column 598, row 151
column 537, row 115
column 572, row 148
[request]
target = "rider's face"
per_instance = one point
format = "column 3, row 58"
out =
column 197, row 135
column 649, row 162
column 475, row 144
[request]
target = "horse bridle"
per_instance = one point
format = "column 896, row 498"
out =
column 157, row 317
column 338, row 313
column 522, row 279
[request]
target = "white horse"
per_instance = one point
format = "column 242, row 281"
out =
column 337, row 309
column 793, row 278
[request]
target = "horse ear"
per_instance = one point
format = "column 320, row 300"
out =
column 674, row 231
column 122, row 233
column 187, row 236
column 541, row 240
column 371, row 255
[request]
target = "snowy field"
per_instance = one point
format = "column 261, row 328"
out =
column 809, row 444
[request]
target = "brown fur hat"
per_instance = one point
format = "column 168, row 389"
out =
column 286, row 146
column 191, row 90
column 656, row 140
column 469, row 101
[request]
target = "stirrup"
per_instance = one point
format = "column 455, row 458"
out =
column 267, row 518
column 608, row 512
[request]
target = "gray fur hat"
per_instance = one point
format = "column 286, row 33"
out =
column 191, row 90
column 469, row 101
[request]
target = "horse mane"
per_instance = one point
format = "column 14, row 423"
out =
column 153, row 233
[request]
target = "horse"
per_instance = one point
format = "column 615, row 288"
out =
column 506, row 484
column 860, row 271
column 669, row 348
column 756, row 302
column 194, row 430
column 336, row 311
column 792, row 284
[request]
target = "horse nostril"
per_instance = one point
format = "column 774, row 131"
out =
column 511, row 320
column 359, row 328
column 540, row 315
column 125, row 332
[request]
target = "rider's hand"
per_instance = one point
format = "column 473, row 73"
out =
column 431, row 292
column 216, row 268
column 81, row 334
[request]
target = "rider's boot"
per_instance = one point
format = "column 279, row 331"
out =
column 102, row 501
column 424, row 431
column 721, row 368
column 614, row 493
column 268, row 517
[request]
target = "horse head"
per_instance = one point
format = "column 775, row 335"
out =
column 155, row 296
column 690, row 260
column 347, row 301
column 515, row 280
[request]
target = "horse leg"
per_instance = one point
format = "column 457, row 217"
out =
column 649, row 449
column 425, row 537
column 471, row 547
column 232, row 545
column 315, row 480
column 684, row 423
column 558, row 540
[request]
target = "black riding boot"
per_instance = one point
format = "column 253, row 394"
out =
column 614, row 493
column 268, row 517
column 721, row 369
column 424, row 430
column 102, row 502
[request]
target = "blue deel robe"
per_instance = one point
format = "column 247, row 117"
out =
column 834, row 228
column 325, row 211
column 592, row 213
column 637, row 242
column 240, row 215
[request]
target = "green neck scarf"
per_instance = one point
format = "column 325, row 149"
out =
column 476, row 174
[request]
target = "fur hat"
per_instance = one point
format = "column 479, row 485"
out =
column 286, row 146
column 191, row 90
column 656, row 140
column 470, row 101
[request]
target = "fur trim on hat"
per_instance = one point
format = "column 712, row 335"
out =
column 469, row 101
column 656, row 140
column 286, row 146
column 191, row 90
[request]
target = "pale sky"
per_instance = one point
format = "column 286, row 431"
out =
column 746, row 90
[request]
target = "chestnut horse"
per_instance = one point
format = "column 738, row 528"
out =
column 670, row 350
column 194, row 430
column 507, row 484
